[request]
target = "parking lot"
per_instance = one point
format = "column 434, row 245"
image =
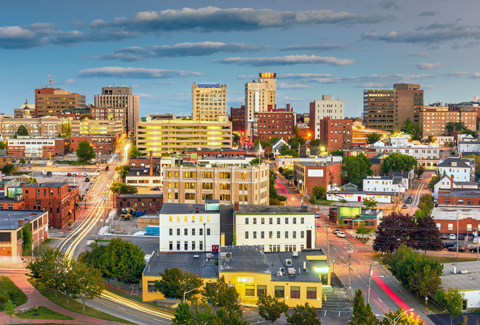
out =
column 80, row 181
column 466, row 243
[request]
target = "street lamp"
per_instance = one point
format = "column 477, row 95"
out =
column 394, row 321
column 188, row 292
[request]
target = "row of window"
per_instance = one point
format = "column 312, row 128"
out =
column 170, row 218
column 270, row 234
column 450, row 226
column 185, row 231
column 270, row 221
column 193, row 245
column 280, row 291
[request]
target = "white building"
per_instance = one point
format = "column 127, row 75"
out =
column 359, row 196
column 395, row 141
column 385, row 184
column 288, row 161
column 327, row 107
column 276, row 228
column 190, row 227
column 460, row 169
column 469, row 146
column 277, row 146
column 448, row 183
column 463, row 277
column 419, row 152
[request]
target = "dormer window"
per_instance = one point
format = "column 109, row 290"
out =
column 454, row 164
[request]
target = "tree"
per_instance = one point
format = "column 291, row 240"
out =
column 370, row 203
column 315, row 143
column 8, row 169
column 362, row 313
column 303, row 315
column 362, row 230
column 86, row 117
column 67, row 277
column 373, row 137
column 420, row 171
column 450, row 300
column 10, row 309
column 398, row 162
column 85, row 152
column 175, row 282
column 426, row 203
column 318, row 192
column 121, row 188
column 255, row 162
column 23, row 161
column 356, row 168
column 286, row 151
column 3, row 145
column 123, row 171
column 236, row 139
column 288, row 174
column 338, row 153
column 21, row 131
column 134, row 152
column 402, row 318
column 270, row 308
column 90, row 282
column 431, row 139
column 205, row 315
column 393, row 231
column 428, row 236
column 296, row 142
column 220, row 294
column 27, row 238
column 413, row 129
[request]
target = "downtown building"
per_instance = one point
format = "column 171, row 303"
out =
column 50, row 101
column 335, row 134
column 388, row 109
column 209, row 101
column 48, row 126
column 434, row 119
column 322, row 109
column 275, row 123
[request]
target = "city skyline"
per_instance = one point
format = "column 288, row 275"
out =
column 316, row 49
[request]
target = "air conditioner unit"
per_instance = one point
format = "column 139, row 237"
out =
column 209, row 255
column 291, row 271
column 295, row 253
column 288, row 262
column 279, row 274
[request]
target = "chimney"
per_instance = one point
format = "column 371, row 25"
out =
column 451, row 182
column 288, row 107
column 151, row 163
column 197, row 210
column 21, row 222
column 237, row 207
column 392, row 174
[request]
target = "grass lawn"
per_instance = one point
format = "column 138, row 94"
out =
column 324, row 202
column 7, row 285
column 134, row 298
column 75, row 306
column 103, row 240
column 42, row 313
column 46, row 242
column 451, row 259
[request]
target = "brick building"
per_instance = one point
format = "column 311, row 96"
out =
column 336, row 134
column 434, row 119
column 103, row 144
column 50, row 101
column 237, row 117
column 11, row 223
column 45, row 126
column 29, row 147
column 446, row 219
column 104, row 113
column 275, row 123
column 58, row 199
column 152, row 203
column 310, row 174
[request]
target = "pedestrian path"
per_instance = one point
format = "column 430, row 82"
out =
column 35, row 298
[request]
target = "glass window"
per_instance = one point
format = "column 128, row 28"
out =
column 170, row 232
column 278, row 221
column 270, row 221
column 189, row 196
column 186, row 246
column 286, row 221
column 262, row 221
column 261, row 290
column 294, row 234
column 254, row 221
column 178, row 231
column 207, row 186
column 450, row 226
column 246, row 221
column 186, row 219
column 189, row 174
column 295, row 292
column 302, row 234
column 170, row 219
column 193, row 232
column 240, row 187
column 278, row 234
column 302, row 221
column 286, row 234
column 208, row 231
column 311, row 293
column 249, row 291
column 294, row 221
column 469, row 227
column 270, row 234
column 185, row 232
column 246, row 234
column 193, row 245
column 262, row 234
column 190, row 185
column 207, row 175
column 280, row 291
column 254, row 235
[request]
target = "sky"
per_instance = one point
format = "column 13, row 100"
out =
column 317, row 48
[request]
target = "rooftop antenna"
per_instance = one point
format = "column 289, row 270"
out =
column 50, row 81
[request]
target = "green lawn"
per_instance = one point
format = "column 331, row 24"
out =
column 19, row 298
column 42, row 313
column 46, row 242
column 134, row 298
column 75, row 306
column 451, row 259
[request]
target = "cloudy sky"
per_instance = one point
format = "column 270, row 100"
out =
column 316, row 48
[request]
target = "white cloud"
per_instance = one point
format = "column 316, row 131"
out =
column 429, row 66
column 286, row 60
column 293, row 86
column 136, row 73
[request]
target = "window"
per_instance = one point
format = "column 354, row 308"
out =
column 262, row 234
column 200, row 245
column 178, row 218
column 178, row 245
column 185, row 231
column 262, row 221
column 270, row 233
column 224, row 197
column 193, row 232
column 246, row 234
column 294, row 221
column 450, row 226
column 302, row 221
column 178, row 231
column 207, row 175
column 170, row 245
column 270, row 221
column 278, row 221
column 286, row 234
column 224, row 186
column 280, row 291
column 278, row 234
column 208, row 231
column 170, row 232
column 189, row 174
column 254, row 235
column 207, row 186
column 261, row 290
column 246, row 221
column 295, row 292
column 249, row 291
column 294, row 234
column 186, row 218
column 193, row 245
column 185, row 246
column 224, row 175
column 254, row 221
column 208, row 218
column 200, row 231
column 302, row 234
column 189, row 196
column 151, row 286
column 469, row 227
column 190, row 185
column 311, row 293
column 244, row 175
column 286, row 221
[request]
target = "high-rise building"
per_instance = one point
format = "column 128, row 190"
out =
column 120, row 97
column 237, row 117
column 434, row 119
column 336, row 134
column 325, row 108
column 208, row 101
column 50, row 101
column 275, row 123
column 259, row 95
column 388, row 109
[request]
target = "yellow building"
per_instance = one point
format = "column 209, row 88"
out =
column 297, row 277
column 208, row 101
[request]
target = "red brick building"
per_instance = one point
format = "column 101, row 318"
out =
column 30, row 147
column 459, row 197
column 58, row 199
column 336, row 134
column 103, row 144
column 152, row 203
column 446, row 219
column 310, row 174
column 275, row 123
column 12, row 203
column 237, row 117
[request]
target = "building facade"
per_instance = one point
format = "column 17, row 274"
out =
column 434, row 119
column 151, row 203
column 38, row 147
column 120, row 97
column 110, row 114
column 385, row 184
column 459, row 169
column 311, row 174
column 163, row 134
column 50, row 101
column 103, row 144
column 228, row 184
column 237, row 117
column 325, row 108
column 259, row 95
column 278, row 123
column 335, row 134
column 208, row 101
column 87, row 126
column 45, row 126
column 360, row 134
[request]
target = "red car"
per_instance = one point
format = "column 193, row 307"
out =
column 69, row 174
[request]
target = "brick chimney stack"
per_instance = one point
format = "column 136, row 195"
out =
column 237, row 207
column 151, row 163
column 451, row 182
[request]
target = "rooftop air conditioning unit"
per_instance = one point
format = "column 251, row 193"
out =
column 195, row 256
column 279, row 274
column 295, row 253
column 291, row 271
column 209, row 255
column 288, row 262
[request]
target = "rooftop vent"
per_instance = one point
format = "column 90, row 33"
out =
column 292, row 271
column 288, row 262
column 295, row 253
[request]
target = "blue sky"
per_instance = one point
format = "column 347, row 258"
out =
column 316, row 48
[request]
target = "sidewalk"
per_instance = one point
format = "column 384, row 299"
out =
column 35, row 298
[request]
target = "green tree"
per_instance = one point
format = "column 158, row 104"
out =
column 426, row 203
column 23, row 161
column 10, row 309
column 393, row 231
column 420, row 171
column 304, row 315
column 373, row 137
column 370, row 203
column 436, row 178
column 338, row 153
column 315, row 143
column 121, row 188
column 134, row 152
column 255, row 162
column 85, row 152
column 286, row 151
column 402, row 318
column 270, row 308
column 414, row 129
column 318, row 192
column 204, row 314
column 428, row 236
column 123, row 171
column 288, row 174
column 362, row 313
column 21, row 131
column 3, row 145
column 450, row 300
column 236, row 139
column 8, row 169
column 44, row 267
column 431, row 139
column 363, row 230
column 296, row 142
column 220, row 294
column 90, row 283
column 27, row 239
column 67, row 278
column 175, row 282
column 398, row 162
column 356, row 168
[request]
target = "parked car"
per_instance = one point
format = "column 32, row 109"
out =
column 454, row 249
column 341, row 234
column 452, row 236
column 79, row 175
column 447, row 245
column 473, row 249
column 69, row 174
column 336, row 231
column 49, row 174
column 444, row 236
column 85, row 175
column 409, row 200
column 404, row 206
column 87, row 180
column 156, row 189
column 461, row 237
column 317, row 215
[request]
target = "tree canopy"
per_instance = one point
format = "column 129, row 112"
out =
column 414, row 129
column 460, row 127
column 315, row 142
column 304, row 315
column 356, row 168
column 398, row 162
column 85, row 151
column 21, row 131
column 286, row 151
column 134, row 152
column 318, row 192
column 373, row 137
column 426, row 204
column 296, row 142
column 362, row 313
column 450, row 300
column 220, row 294
column 370, row 203
column 393, row 230
column 121, row 188
column 175, row 282
column 270, row 308
column 255, row 162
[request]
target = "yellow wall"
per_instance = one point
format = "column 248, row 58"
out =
column 150, row 296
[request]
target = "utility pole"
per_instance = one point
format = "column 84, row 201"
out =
column 369, row 282
column 349, row 250
column 327, row 228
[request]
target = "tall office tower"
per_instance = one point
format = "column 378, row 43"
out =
column 120, row 97
column 388, row 109
column 50, row 101
column 208, row 101
column 321, row 109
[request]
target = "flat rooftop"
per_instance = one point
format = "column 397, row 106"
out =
column 319, row 164
column 188, row 261
column 446, row 213
column 7, row 223
column 46, row 185
column 461, row 281
column 176, row 208
column 272, row 209
column 139, row 196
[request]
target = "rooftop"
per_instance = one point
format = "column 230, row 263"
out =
column 272, row 209
column 46, row 185
column 7, row 223
column 188, row 261
column 209, row 86
column 243, row 259
column 176, row 208
column 446, row 213
column 469, row 142
column 461, row 163
column 317, row 164
column 135, row 196
column 461, row 281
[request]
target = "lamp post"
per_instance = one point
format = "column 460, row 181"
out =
column 184, row 293
column 394, row 321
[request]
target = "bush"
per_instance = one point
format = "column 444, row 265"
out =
column 312, row 200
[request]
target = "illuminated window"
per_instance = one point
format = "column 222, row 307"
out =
column 170, row 219
column 245, row 187
column 189, row 196
column 244, row 175
column 225, row 186
column 169, row 185
column 208, row 218
column 295, row 292
column 249, row 291
column 201, row 218
column 178, row 218
column 189, row 174
column 224, row 175
column 207, row 174
column 190, row 185
column 186, row 219
column 240, row 187
column 207, row 186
